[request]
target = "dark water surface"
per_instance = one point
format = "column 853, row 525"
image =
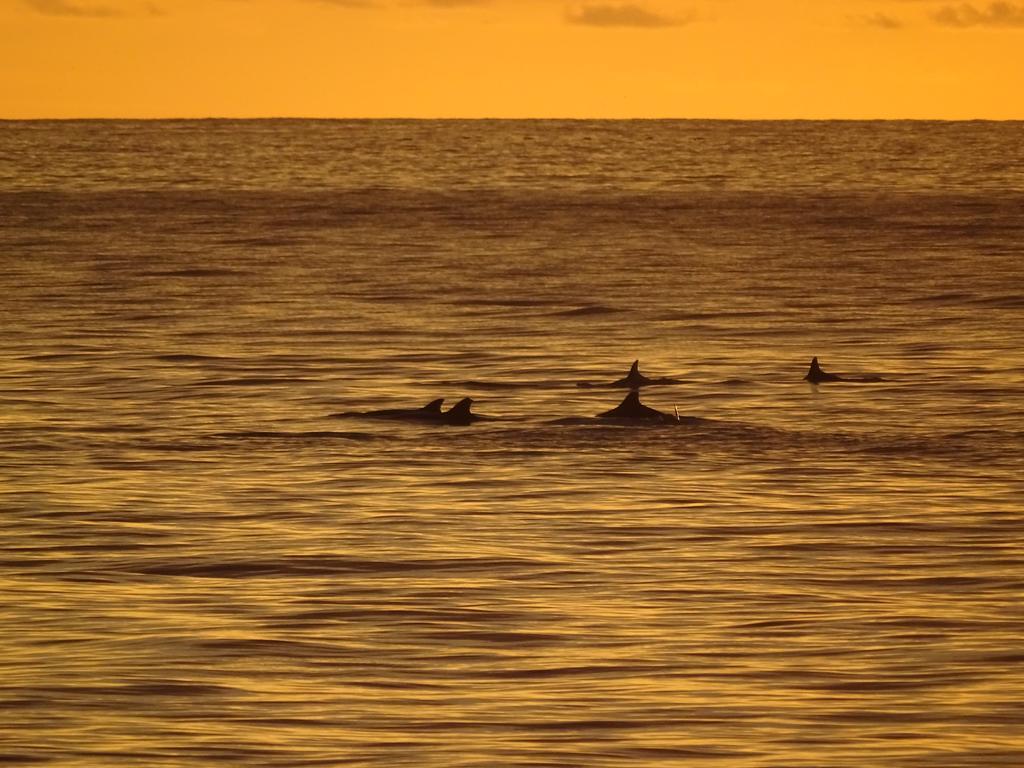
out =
column 201, row 566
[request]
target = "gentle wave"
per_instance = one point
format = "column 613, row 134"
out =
column 200, row 570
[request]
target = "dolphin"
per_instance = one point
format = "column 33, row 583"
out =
column 632, row 408
column 429, row 412
column 458, row 415
column 632, row 380
column 815, row 375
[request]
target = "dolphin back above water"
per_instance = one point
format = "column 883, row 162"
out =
column 428, row 412
column 632, row 380
column 458, row 415
column 816, row 375
column 631, row 408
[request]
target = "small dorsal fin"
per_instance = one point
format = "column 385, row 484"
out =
column 461, row 408
column 629, row 408
column 434, row 406
column 815, row 375
column 634, row 370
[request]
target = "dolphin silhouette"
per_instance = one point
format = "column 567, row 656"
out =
column 632, row 408
column 429, row 412
column 632, row 380
column 815, row 375
column 458, row 415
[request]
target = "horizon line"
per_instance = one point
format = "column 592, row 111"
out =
column 523, row 119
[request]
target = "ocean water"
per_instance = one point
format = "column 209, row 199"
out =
column 204, row 565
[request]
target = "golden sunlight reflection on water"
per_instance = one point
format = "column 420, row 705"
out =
column 206, row 562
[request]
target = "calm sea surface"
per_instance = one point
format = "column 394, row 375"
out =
column 203, row 565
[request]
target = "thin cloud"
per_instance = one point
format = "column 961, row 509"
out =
column 74, row 9
column 454, row 3
column 880, row 20
column 628, row 15
column 966, row 15
column 347, row 3
column 68, row 8
column 429, row 3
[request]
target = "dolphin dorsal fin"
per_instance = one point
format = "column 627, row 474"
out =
column 814, row 364
column 628, row 408
column 434, row 406
column 461, row 408
column 634, row 369
column 632, row 400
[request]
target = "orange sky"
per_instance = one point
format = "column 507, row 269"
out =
column 512, row 58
